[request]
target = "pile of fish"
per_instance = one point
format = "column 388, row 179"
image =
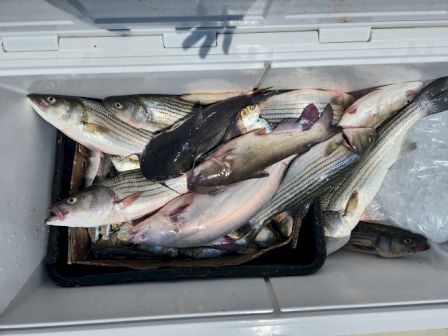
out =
column 202, row 175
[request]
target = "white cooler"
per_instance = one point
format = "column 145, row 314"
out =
column 103, row 48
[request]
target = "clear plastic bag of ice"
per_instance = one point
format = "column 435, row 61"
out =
column 414, row 194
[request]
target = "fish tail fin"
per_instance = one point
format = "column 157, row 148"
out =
column 259, row 95
column 325, row 121
column 436, row 93
column 308, row 117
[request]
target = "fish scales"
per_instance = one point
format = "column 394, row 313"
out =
column 169, row 106
column 358, row 188
column 88, row 122
column 130, row 183
column 104, row 118
column 290, row 105
column 390, row 135
column 309, row 183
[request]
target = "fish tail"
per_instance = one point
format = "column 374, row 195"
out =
column 436, row 93
column 326, row 119
column 259, row 95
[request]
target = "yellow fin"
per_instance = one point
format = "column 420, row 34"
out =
column 352, row 204
column 127, row 201
column 95, row 128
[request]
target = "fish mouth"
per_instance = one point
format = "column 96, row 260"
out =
column 58, row 215
column 411, row 93
column 421, row 247
column 36, row 102
column 347, row 142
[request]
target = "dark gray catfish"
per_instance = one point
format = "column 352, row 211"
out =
column 246, row 156
column 173, row 152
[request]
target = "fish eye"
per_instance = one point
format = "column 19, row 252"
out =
column 407, row 241
column 252, row 107
column 71, row 200
column 51, row 100
column 370, row 139
column 142, row 237
column 118, row 105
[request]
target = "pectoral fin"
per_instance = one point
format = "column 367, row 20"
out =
column 95, row 128
column 128, row 200
column 260, row 174
column 260, row 131
column 352, row 204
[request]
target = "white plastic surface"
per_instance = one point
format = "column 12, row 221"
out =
column 136, row 302
column 26, row 169
column 91, row 15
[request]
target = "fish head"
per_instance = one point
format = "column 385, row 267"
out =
column 380, row 104
column 83, row 210
column 402, row 244
column 162, row 159
column 210, row 173
column 156, row 230
column 60, row 111
column 127, row 109
column 398, row 96
column 392, row 99
column 163, row 227
column 250, row 114
column 359, row 140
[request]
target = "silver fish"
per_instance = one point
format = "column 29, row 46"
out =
column 122, row 164
column 196, row 219
column 247, row 120
column 150, row 112
column 344, row 203
column 88, row 122
column 309, row 174
column 210, row 98
column 125, row 197
column 375, row 107
column 290, row 105
column 385, row 241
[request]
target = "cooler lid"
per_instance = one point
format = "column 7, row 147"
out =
column 71, row 16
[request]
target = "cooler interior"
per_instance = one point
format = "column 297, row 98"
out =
column 28, row 298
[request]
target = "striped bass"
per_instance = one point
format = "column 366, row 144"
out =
column 344, row 203
column 88, row 122
column 290, row 105
column 150, row 112
column 309, row 174
column 125, row 197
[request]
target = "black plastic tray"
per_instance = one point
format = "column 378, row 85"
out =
column 307, row 258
